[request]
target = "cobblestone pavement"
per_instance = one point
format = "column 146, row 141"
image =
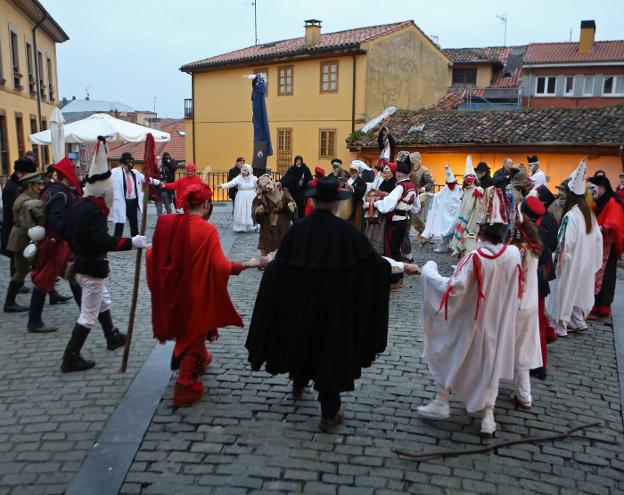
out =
column 49, row 421
column 248, row 436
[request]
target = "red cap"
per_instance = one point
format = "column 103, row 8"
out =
column 67, row 169
column 196, row 194
column 533, row 207
column 393, row 167
column 319, row 172
column 190, row 167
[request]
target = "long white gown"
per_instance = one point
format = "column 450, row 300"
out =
column 443, row 213
column 469, row 323
column 528, row 348
column 246, row 192
column 580, row 257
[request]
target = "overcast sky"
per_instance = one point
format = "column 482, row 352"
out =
column 130, row 50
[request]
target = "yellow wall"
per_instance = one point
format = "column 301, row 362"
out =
column 222, row 111
column 484, row 74
column 11, row 100
column 404, row 70
column 556, row 166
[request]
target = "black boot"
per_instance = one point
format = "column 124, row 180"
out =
column 10, row 306
column 114, row 338
column 76, row 291
column 72, row 360
column 56, row 298
column 35, row 323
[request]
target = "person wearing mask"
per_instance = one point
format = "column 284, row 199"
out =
column 538, row 177
column 128, row 194
column 357, row 187
column 297, row 180
column 168, row 168
column 233, row 173
column 245, row 183
column 483, row 175
column 620, row 187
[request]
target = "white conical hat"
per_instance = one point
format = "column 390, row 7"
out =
column 99, row 182
column 469, row 170
column 577, row 179
column 450, row 176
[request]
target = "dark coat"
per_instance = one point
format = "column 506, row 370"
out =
column 297, row 181
column 359, row 188
column 545, row 268
column 58, row 199
column 501, row 178
column 11, row 191
column 233, row 172
column 486, row 181
column 309, row 319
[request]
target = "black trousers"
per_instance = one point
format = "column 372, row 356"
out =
column 132, row 209
column 605, row 297
column 330, row 401
column 399, row 231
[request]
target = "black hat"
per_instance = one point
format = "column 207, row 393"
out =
column 532, row 159
column 404, row 166
column 601, row 180
column 544, row 195
column 336, row 160
column 166, row 154
column 24, row 166
column 482, row 167
column 126, row 156
column 328, row 188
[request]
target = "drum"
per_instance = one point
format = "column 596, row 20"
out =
column 345, row 209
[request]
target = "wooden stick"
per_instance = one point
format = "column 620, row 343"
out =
column 493, row 446
column 135, row 289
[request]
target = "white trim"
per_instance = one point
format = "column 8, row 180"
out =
column 593, row 84
column 613, row 94
column 545, row 93
column 573, row 64
column 565, row 82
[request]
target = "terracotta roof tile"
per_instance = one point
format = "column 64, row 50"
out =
column 450, row 101
column 350, row 38
column 175, row 146
column 536, row 126
column 489, row 54
column 557, row 53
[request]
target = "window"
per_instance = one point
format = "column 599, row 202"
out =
column 569, row 86
column 465, row 76
column 545, row 85
column 327, row 143
column 19, row 126
column 33, row 129
column 613, row 86
column 265, row 71
column 588, row 86
column 15, row 62
column 32, row 83
column 329, row 77
column 284, row 149
column 50, row 79
column 46, row 151
column 285, row 80
column 41, row 81
column 4, row 144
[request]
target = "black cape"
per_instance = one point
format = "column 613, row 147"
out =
column 322, row 307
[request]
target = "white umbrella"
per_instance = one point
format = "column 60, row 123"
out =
column 57, row 134
column 100, row 124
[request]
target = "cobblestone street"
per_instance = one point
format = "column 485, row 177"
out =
column 248, row 436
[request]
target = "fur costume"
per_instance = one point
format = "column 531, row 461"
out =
column 274, row 210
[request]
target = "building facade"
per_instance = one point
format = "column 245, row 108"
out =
column 28, row 77
column 585, row 74
column 321, row 87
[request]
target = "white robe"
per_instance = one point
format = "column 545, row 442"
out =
column 246, row 192
column 579, row 258
column 539, row 178
column 468, row 355
column 528, row 348
column 443, row 213
column 118, row 211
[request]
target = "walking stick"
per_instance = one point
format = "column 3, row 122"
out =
column 149, row 161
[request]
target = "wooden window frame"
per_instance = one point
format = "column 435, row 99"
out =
column 15, row 59
column 292, row 80
column 464, row 71
column 4, row 140
column 30, row 68
column 50, row 72
column 46, row 148
column 264, row 70
column 19, row 134
column 327, row 155
column 280, row 151
column 33, row 130
column 329, row 63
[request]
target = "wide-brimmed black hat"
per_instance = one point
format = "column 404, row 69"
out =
column 126, row 156
column 328, row 188
column 482, row 167
column 601, row 180
column 533, row 159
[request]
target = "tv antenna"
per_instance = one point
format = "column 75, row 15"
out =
column 155, row 98
column 87, row 92
column 503, row 19
column 255, row 3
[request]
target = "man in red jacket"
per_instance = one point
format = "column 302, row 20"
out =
column 179, row 185
column 188, row 274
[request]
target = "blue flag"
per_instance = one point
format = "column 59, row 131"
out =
column 260, row 119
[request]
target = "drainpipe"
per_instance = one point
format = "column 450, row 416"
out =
column 193, row 101
column 353, row 97
column 36, row 61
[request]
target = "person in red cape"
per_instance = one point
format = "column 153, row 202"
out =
column 309, row 206
column 187, row 274
column 179, row 185
column 609, row 212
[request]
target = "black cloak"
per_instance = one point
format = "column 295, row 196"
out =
column 322, row 307
column 296, row 180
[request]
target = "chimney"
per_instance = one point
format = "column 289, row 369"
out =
column 588, row 33
column 312, row 32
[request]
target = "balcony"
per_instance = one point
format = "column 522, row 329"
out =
column 188, row 108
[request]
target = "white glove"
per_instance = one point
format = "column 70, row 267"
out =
column 139, row 242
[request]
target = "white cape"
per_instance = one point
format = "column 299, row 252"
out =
column 443, row 212
column 580, row 257
column 468, row 355
column 528, row 347
column 246, row 192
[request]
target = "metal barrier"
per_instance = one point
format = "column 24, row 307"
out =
column 213, row 179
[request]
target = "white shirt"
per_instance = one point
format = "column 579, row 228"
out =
column 539, row 178
column 389, row 203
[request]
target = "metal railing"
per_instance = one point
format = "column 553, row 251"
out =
column 213, row 179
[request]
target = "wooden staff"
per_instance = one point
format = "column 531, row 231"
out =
column 492, row 446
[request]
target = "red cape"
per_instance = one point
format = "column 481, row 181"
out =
column 180, row 185
column 187, row 274
column 611, row 219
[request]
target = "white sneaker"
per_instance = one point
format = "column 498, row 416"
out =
column 440, row 250
column 488, row 425
column 434, row 410
column 522, row 404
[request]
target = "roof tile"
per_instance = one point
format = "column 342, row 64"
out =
column 175, row 146
column 556, row 53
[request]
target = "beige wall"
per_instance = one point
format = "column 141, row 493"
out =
column 405, row 70
column 484, row 74
column 21, row 101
